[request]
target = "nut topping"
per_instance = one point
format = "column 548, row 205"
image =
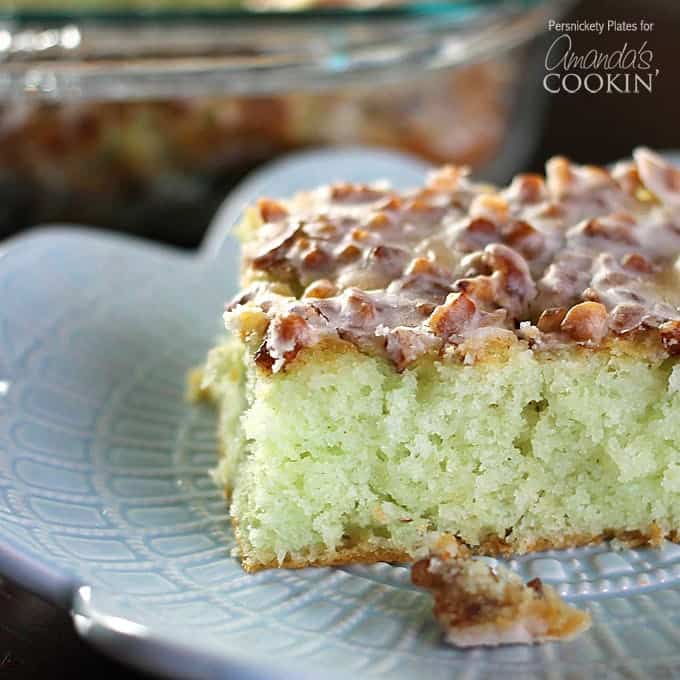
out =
column 527, row 189
column 349, row 253
column 476, row 234
column 551, row 319
column 582, row 256
column 346, row 192
column 378, row 221
column 492, row 207
column 659, row 176
column 271, row 211
column 517, row 287
column 452, row 317
column 315, row 258
column 637, row 263
column 670, row 336
column 286, row 336
column 626, row 317
column 524, row 238
column 322, row 288
column 586, row 322
column 358, row 306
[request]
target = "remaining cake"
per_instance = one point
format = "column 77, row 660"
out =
column 496, row 365
column 481, row 605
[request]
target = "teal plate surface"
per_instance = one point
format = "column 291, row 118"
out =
column 106, row 507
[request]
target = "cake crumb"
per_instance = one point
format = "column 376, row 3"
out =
column 195, row 391
column 477, row 604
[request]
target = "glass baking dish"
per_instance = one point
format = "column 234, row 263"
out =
column 141, row 119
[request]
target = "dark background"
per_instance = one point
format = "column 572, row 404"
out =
column 602, row 128
column 37, row 640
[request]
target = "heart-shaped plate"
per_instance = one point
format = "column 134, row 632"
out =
column 106, row 506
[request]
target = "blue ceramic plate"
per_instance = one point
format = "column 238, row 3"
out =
column 106, row 507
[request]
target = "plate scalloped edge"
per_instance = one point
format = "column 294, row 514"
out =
column 644, row 618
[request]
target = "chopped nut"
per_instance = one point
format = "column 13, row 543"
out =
column 564, row 179
column 591, row 294
column 659, row 176
column 638, row 263
column 524, row 238
column 489, row 206
column 670, row 336
column 263, row 358
column 476, row 234
column 359, row 307
column 391, row 203
column 423, row 286
column 271, row 211
column 349, row 253
column 290, row 328
column 517, row 287
column 426, row 308
column 586, row 322
column 404, row 345
column 481, row 288
column 322, row 288
column 559, row 176
column 286, row 336
column 452, row 317
column 626, row 317
column 252, row 321
column 418, row 204
column 277, row 249
column 390, row 259
column 550, row 319
column 315, row 258
column 446, row 178
column 617, row 228
column 359, row 234
column 350, row 193
column 321, row 229
column 527, row 188
column 613, row 278
column 551, row 211
column 474, row 264
column 378, row 221
column 627, row 177
column 421, row 265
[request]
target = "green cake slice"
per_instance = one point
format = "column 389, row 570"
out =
column 492, row 365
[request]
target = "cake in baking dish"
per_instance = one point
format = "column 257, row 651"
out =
column 497, row 365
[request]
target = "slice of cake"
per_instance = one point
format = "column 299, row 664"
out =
column 476, row 604
column 496, row 365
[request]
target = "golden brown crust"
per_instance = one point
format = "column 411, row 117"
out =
column 642, row 346
column 343, row 557
column 493, row 546
column 356, row 554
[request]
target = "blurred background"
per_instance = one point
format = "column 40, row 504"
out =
column 152, row 148
column 142, row 124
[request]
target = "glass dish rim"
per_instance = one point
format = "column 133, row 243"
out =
column 413, row 9
column 435, row 42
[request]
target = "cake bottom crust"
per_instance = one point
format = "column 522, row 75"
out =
column 360, row 553
column 494, row 546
